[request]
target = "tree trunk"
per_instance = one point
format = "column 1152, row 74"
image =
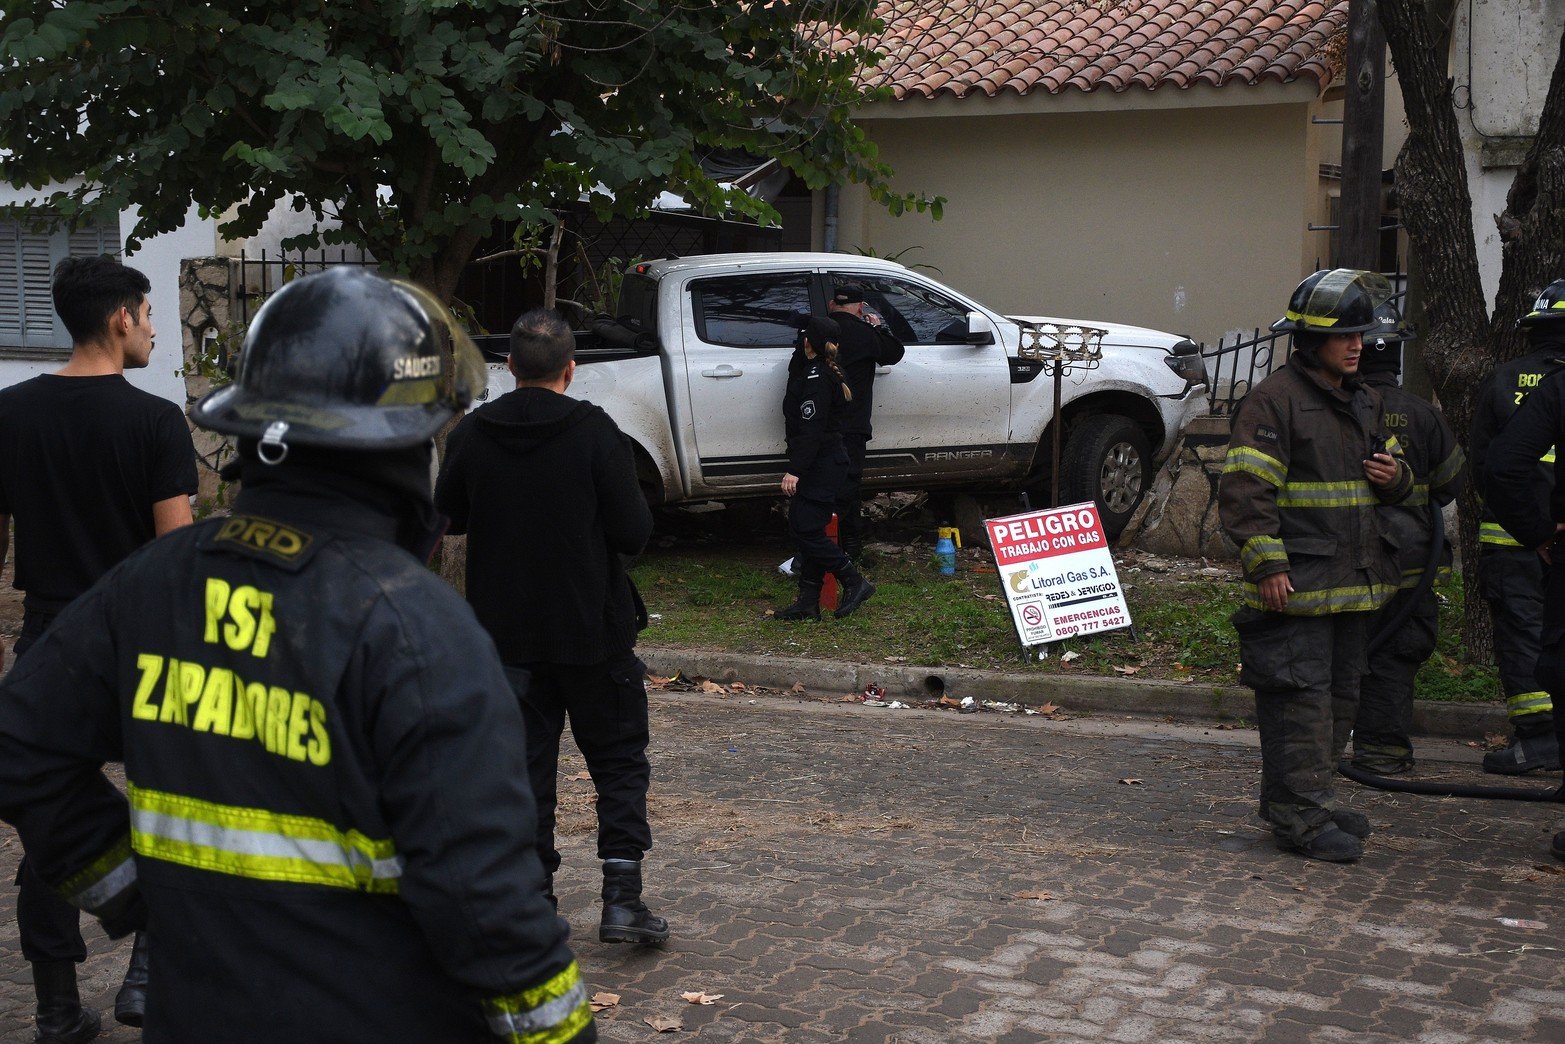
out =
column 1358, row 234
column 1431, row 180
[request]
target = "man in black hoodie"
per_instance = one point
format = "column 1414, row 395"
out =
column 545, row 488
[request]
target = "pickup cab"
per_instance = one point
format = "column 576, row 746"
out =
column 694, row 364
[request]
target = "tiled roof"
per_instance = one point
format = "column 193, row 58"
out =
column 962, row 47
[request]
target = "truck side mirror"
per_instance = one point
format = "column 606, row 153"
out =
column 980, row 330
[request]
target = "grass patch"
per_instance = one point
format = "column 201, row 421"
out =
column 717, row 598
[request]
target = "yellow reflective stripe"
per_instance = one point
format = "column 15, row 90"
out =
column 1494, row 533
column 1448, row 469
column 1411, row 577
column 1327, row 600
column 1312, row 320
column 1393, row 447
column 548, row 1014
column 1260, row 549
column 1352, row 493
column 1254, row 462
column 257, row 843
column 1547, row 458
column 1418, row 497
column 1528, row 703
column 103, row 880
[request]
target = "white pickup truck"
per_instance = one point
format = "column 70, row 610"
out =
column 694, row 364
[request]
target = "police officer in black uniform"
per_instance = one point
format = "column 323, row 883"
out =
column 1511, row 573
column 864, row 343
column 813, row 406
column 1382, row 732
column 327, row 815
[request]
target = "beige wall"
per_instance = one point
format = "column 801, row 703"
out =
column 1189, row 220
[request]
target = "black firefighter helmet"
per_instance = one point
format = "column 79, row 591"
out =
column 1335, row 301
column 346, row 359
column 1383, row 344
column 1548, row 309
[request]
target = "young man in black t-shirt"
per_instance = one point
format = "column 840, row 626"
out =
column 91, row 468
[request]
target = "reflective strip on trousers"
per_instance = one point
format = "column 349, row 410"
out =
column 1253, row 462
column 1524, row 703
column 1495, row 534
column 548, row 1014
column 1354, row 493
column 103, row 880
column 257, row 843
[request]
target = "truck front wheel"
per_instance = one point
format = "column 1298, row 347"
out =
column 1107, row 460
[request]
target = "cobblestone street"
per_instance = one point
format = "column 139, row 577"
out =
column 845, row 873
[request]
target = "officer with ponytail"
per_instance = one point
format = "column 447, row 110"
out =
column 813, row 409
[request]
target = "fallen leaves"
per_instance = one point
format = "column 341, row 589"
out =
column 603, row 1000
column 655, row 681
column 1041, row 896
column 1558, row 871
column 665, row 1023
column 1131, row 781
column 711, row 686
column 1068, row 655
column 701, row 997
column 797, row 687
column 1048, row 710
column 1126, row 670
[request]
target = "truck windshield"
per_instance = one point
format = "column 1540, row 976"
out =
column 638, row 297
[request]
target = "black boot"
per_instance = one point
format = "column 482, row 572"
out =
column 61, row 1017
column 1333, row 845
column 1524, row 754
column 130, row 1004
column 856, row 589
column 626, row 918
column 806, row 607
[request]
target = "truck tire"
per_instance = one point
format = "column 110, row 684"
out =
column 1107, row 460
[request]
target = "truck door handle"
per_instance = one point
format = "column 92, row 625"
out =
column 723, row 371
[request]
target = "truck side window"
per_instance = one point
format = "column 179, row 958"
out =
column 764, row 310
column 915, row 314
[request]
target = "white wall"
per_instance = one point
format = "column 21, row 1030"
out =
column 1502, row 55
column 159, row 259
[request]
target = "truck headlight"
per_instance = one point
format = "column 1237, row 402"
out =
column 1185, row 360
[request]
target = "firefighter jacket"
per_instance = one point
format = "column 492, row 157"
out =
column 1502, row 394
column 1439, row 471
column 1293, row 494
column 327, row 816
column 1511, row 462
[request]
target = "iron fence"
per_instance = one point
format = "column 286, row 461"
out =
column 261, row 277
column 1234, row 368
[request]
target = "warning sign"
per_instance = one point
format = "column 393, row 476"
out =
column 1057, row 573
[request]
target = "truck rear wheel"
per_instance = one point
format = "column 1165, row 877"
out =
column 1107, row 460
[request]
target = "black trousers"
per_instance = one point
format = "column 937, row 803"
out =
column 817, row 554
column 607, row 707
column 1305, row 672
column 1384, row 726
column 50, row 927
column 1550, row 672
column 850, row 506
column 1513, row 581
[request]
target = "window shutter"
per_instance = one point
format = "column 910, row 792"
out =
column 10, row 285
column 38, row 319
column 27, row 262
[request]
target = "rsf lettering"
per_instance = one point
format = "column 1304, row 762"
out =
column 239, row 617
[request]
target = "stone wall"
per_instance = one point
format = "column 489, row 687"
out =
column 1178, row 516
column 211, row 338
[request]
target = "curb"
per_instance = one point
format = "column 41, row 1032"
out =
column 1160, row 699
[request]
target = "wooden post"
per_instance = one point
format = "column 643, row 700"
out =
column 1363, row 120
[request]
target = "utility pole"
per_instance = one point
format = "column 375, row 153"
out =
column 1363, row 123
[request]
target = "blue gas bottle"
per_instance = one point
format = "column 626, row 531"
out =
column 945, row 549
